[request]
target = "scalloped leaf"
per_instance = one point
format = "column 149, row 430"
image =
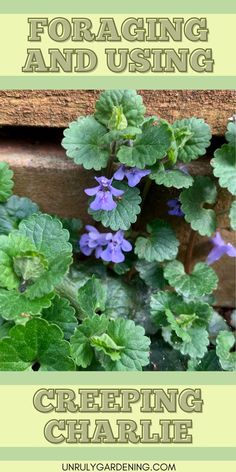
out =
column 13, row 211
column 194, row 345
column 84, row 143
column 225, row 342
column 196, row 143
column 231, row 133
column 51, row 240
column 170, row 177
column 62, row 314
column 16, row 306
column 92, row 297
column 126, row 211
column 224, row 167
column 151, row 273
column 132, row 106
column 36, row 342
column 134, row 346
column 202, row 281
column 232, row 215
column 82, row 350
column 201, row 219
column 148, row 147
column 161, row 245
column 6, row 182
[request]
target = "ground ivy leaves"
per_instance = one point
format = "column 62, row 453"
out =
column 38, row 342
column 84, row 143
column 202, row 281
column 148, row 147
column 201, row 219
column 13, row 211
column 151, row 273
column 224, row 167
column 51, row 240
column 126, row 211
column 160, row 245
column 231, row 134
column 197, row 140
column 232, row 215
column 170, row 177
column 6, row 182
column 225, row 342
column 92, row 297
column 16, row 306
column 62, row 314
column 131, row 103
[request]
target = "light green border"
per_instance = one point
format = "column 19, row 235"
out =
column 107, row 6
column 117, row 454
column 148, row 83
column 117, row 378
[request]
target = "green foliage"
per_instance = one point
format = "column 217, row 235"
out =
column 232, row 215
column 225, row 342
column 148, row 147
column 131, row 103
column 201, row 219
column 6, row 182
column 170, row 177
column 92, row 297
column 231, row 134
column 38, row 342
column 126, row 211
column 193, row 137
column 160, row 245
column 151, row 273
column 13, row 211
column 84, row 143
column 224, row 167
column 62, row 314
column 202, row 281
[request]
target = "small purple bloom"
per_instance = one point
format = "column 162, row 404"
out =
column 93, row 240
column 133, row 175
column 115, row 245
column 103, row 193
column 220, row 247
column 175, row 206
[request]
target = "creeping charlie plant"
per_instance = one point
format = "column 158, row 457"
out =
column 115, row 295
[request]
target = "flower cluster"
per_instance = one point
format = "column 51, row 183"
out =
column 107, row 246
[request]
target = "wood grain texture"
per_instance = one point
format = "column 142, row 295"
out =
column 43, row 173
column 56, row 108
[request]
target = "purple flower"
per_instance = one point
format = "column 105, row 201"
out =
column 133, row 175
column 115, row 245
column 175, row 206
column 104, row 194
column 220, row 247
column 93, row 240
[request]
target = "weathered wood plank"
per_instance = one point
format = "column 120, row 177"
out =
column 56, row 108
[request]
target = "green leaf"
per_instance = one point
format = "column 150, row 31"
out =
column 209, row 362
column 16, row 306
column 151, row 273
column 198, row 140
column 13, row 211
column 5, row 327
column 148, row 147
column 126, row 211
column 159, row 303
column 201, row 219
column 6, row 182
column 62, row 314
column 73, row 225
column 161, row 245
column 82, row 350
column 232, row 215
column 216, row 324
column 131, row 102
column 135, row 346
column 92, row 297
column 118, row 120
column 51, row 240
column 202, row 281
column 106, row 345
column 170, row 177
column 224, row 167
column 231, row 134
column 36, row 342
column 194, row 345
column 84, row 143
column 225, row 341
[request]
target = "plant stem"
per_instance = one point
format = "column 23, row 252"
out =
column 189, row 251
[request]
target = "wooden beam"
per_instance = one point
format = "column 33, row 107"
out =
column 56, row 108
